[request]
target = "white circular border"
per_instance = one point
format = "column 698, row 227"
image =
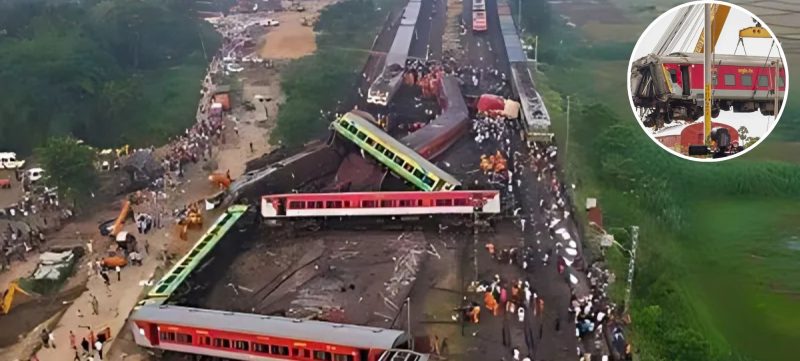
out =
column 777, row 117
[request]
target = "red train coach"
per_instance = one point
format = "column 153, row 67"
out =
column 241, row 336
column 674, row 85
column 379, row 204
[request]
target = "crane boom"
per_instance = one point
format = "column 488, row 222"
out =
column 719, row 13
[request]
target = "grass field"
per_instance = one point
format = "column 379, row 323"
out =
column 734, row 265
column 742, row 260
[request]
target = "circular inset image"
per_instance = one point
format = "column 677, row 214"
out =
column 707, row 80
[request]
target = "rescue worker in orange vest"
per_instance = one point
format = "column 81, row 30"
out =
column 491, row 303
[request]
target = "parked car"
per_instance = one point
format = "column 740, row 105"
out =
column 8, row 160
column 234, row 68
column 270, row 22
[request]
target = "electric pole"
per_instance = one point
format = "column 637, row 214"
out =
column 566, row 143
column 707, row 49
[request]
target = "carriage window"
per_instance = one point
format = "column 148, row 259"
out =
column 407, row 203
column 370, row 142
column 167, row 336
column 337, row 357
column 306, row 353
column 714, row 79
column 780, row 81
column 763, row 81
column 205, row 340
column 427, row 181
column 344, row 123
column 280, row 350
column 460, row 202
column 747, row 80
column 673, row 74
column 297, row 205
column 184, row 338
column 444, row 202
column 387, row 203
column 260, row 348
column 398, row 161
column 411, row 169
column 369, row 204
column 361, row 136
column 347, row 204
column 380, row 148
column 333, row 204
column 222, row 343
column 352, row 129
column 241, row 345
column 322, row 355
column 389, row 154
column 418, row 174
column 730, row 79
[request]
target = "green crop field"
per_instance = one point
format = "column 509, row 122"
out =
column 742, row 260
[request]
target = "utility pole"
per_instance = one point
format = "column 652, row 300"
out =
column 707, row 49
column 536, row 55
column 631, row 265
column 408, row 313
column 566, row 143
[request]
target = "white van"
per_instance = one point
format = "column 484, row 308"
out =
column 8, row 160
column 34, row 174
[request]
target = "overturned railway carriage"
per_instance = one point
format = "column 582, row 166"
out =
column 667, row 88
column 379, row 204
column 447, row 128
column 242, row 336
column 394, row 155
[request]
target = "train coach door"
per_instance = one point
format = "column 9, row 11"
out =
column 686, row 80
column 154, row 337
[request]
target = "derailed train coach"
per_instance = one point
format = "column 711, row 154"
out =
column 667, row 88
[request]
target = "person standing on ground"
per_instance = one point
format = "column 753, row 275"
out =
column 119, row 274
column 106, row 280
column 85, row 345
column 98, row 346
column 52, row 339
column 95, row 305
column 45, row 337
column 72, row 342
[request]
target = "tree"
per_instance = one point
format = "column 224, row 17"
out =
column 69, row 166
column 743, row 133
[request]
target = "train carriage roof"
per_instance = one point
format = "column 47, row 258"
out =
column 719, row 59
column 454, row 115
column 363, row 337
column 357, row 117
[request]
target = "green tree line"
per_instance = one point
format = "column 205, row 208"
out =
column 320, row 81
column 104, row 71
